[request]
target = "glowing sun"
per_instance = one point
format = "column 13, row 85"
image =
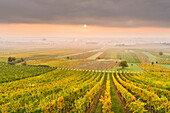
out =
column 85, row 25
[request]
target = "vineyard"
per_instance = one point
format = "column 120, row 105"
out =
column 128, row 56
column 84, row 56
column 97, row 65
column 89, row 81
column 66, row 90
column 10, row 73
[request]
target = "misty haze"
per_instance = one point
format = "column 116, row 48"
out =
column 84, row 56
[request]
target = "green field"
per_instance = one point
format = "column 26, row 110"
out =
column 130, row 68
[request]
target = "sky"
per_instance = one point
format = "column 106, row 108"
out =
column 104, row 18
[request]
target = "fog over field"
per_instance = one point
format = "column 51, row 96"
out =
column 79, row 40
column 84, row 56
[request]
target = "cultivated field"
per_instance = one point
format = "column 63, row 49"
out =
column 78, row 80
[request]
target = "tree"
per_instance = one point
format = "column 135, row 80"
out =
column 160, row 53
column 123, row 64
column 11, row 59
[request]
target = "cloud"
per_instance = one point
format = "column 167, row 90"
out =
column 111, row 13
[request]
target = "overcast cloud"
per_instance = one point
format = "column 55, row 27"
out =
column 111, row 13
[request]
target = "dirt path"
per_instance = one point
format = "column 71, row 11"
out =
column 97, row 97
